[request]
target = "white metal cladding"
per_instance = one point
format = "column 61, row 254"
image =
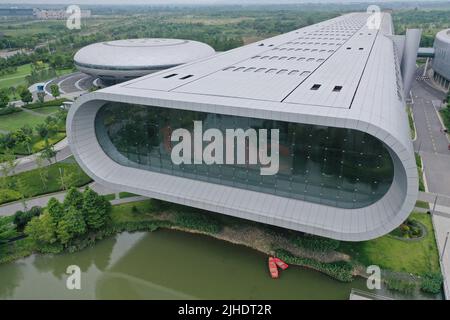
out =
column 370, row 100
column 441, row 61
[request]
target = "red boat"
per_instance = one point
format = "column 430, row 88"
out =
column 280, row 263
column 273, row 268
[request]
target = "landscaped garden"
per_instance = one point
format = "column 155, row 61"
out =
column 46, row 179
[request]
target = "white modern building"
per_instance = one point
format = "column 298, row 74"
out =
column 441, row 60
column 120, row 60
column 334, row 90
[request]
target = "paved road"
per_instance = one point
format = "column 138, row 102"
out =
column 73, row 83
column 431, row 143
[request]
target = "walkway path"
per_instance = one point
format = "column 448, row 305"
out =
column 10, row 208
column 29, row 162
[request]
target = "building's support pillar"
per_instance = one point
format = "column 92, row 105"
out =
column 426, row 67
column 408, row 65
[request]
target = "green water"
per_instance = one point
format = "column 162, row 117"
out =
column 165, row 264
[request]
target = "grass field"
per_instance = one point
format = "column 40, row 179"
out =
column 15, row 79
column 34, row 186
column 14, row 121
column 47, row 110
column 418, row 257
column 18, row 78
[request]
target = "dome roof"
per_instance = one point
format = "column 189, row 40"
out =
column 142, row 53
column 444, row 35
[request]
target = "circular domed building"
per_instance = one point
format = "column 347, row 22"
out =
column 441, row 61
column 121, row 60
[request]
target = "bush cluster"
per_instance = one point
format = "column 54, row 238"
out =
column 198, row 221
column 21, row 218
column 340, row 270
column 315, row 243
column 431, row 283
column 63, row 223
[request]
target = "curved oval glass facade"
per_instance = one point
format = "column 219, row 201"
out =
column 332, row 166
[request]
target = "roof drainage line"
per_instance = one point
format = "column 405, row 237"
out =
column 296, row 87
column 247, row 58
column 217, row 55
column 364, row 69
column 213, row 72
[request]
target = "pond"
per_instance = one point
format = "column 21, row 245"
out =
column 166, row 264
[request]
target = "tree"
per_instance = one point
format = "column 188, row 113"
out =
column 42, row 229
column 42, row 170
column 72, row 224
column 54, row 89
column 74, row 198
column 42, row 130
column 23, row 136
column 24, row 188
column 7, row 230
column 41, row 97
column 8, row 163
column 26, row 96
column 96, row 209
column 49, row 152
column 55, row 209
column 52, row 125
column 4, row 98
column 21, row 218
column 12, row 91
column 7, row 141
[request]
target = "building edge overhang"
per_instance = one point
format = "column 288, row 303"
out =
column 387, row 219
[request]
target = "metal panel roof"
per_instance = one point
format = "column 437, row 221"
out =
column 319, row 65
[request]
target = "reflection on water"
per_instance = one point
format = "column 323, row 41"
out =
column 165, row 265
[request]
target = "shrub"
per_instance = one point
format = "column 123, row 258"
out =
column 340, row 270
column 401, row 285
column 8, row 195
column 21, row 218
column 198, row 221
column 9, row 110
column 50, row 103
column 315, row 243
column 431, row 283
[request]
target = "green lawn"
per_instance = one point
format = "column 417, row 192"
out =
column 17, row 78
column 420, row 172
column 124, row 212
column 37, row 144
column 17, row 120
column 418, row 257
column 445, row 114
column 47, row 110
column 411, row 122
column 34, row 185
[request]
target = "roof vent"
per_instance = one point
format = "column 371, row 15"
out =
column 337, row 89
column 315, row 87
column 187, row 77
column 170, row 76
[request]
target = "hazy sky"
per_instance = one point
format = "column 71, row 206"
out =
column 125, row 2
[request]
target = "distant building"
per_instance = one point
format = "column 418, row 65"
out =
column 60, row 14
column 441, row 61
column 120, row 60
column 16, row 12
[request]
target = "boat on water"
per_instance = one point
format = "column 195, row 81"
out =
column 273, row 268
column 280, row 263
